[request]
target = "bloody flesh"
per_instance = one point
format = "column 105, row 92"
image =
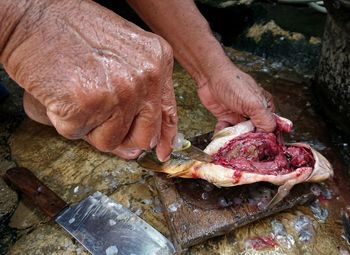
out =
column 263, row 153
column 261, row 242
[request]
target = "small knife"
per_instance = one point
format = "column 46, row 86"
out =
column 194, row 153
column 101, row 225
column 184, row 148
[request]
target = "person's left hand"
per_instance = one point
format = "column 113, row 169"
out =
column 235, row 97
column 227, row 92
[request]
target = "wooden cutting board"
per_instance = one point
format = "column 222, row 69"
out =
column 196, row 210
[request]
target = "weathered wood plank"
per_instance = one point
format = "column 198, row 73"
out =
column 190, row 223
column 196, row 211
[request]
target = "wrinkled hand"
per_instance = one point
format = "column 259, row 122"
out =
column 94, row 76
column 233, row 96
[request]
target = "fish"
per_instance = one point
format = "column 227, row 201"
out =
column 243, row 155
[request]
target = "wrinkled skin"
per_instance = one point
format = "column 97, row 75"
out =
column 228, row 93
column 95, row 76
column 232, row 104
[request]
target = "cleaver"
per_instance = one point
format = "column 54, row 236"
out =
column 101, row 225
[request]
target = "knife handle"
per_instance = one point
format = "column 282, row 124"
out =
column 42, row 196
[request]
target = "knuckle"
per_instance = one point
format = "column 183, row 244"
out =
column 66, row 119
column 63, row 110
column 103, row 144
column 153, row 69
column 149, row 71
column 169, row 115
column 151, row 110
column 256, row 104
column 164, row 49
column 69, row 131
column 158, row 61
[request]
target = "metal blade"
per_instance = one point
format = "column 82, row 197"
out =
column 105, row 227
column 194, row 153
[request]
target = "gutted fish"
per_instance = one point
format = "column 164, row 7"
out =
column 243, row 156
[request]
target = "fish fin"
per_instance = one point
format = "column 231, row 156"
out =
column 184, row 174
column 150, row 161
column 186, row 171
column 282, row 192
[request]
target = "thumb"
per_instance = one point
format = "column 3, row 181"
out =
column 227, row 119
column 263, row 120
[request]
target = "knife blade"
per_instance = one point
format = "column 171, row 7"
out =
column 183, row 148
column 100, row 224
column 193, row 152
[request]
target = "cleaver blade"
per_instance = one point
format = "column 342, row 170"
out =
column 101, row 225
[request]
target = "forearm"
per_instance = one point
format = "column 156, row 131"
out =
column 182, row 25
column 11, row 13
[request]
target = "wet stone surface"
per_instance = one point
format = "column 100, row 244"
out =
column 8, row 201
column 47, row 239
column 26, row 217
column 11, row 114
column 74, row 170
column 225, row 3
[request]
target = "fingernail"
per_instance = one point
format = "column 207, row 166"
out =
column 165, row 159
column 133, row 152
column 178, row 141
column 154, row 142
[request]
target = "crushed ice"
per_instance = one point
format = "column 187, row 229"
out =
column 173, row 207
column 147, row 201
column 303, row 225
column 76, row 189
column 320, row 213
column 205, row 195
column 139, row 211
column 112, row 250
column 280, row 234
column 112, row 222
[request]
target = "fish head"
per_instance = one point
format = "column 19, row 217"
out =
column 176, row 166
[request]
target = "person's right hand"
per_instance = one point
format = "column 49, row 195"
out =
column 233, row 96
column 95, row 76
